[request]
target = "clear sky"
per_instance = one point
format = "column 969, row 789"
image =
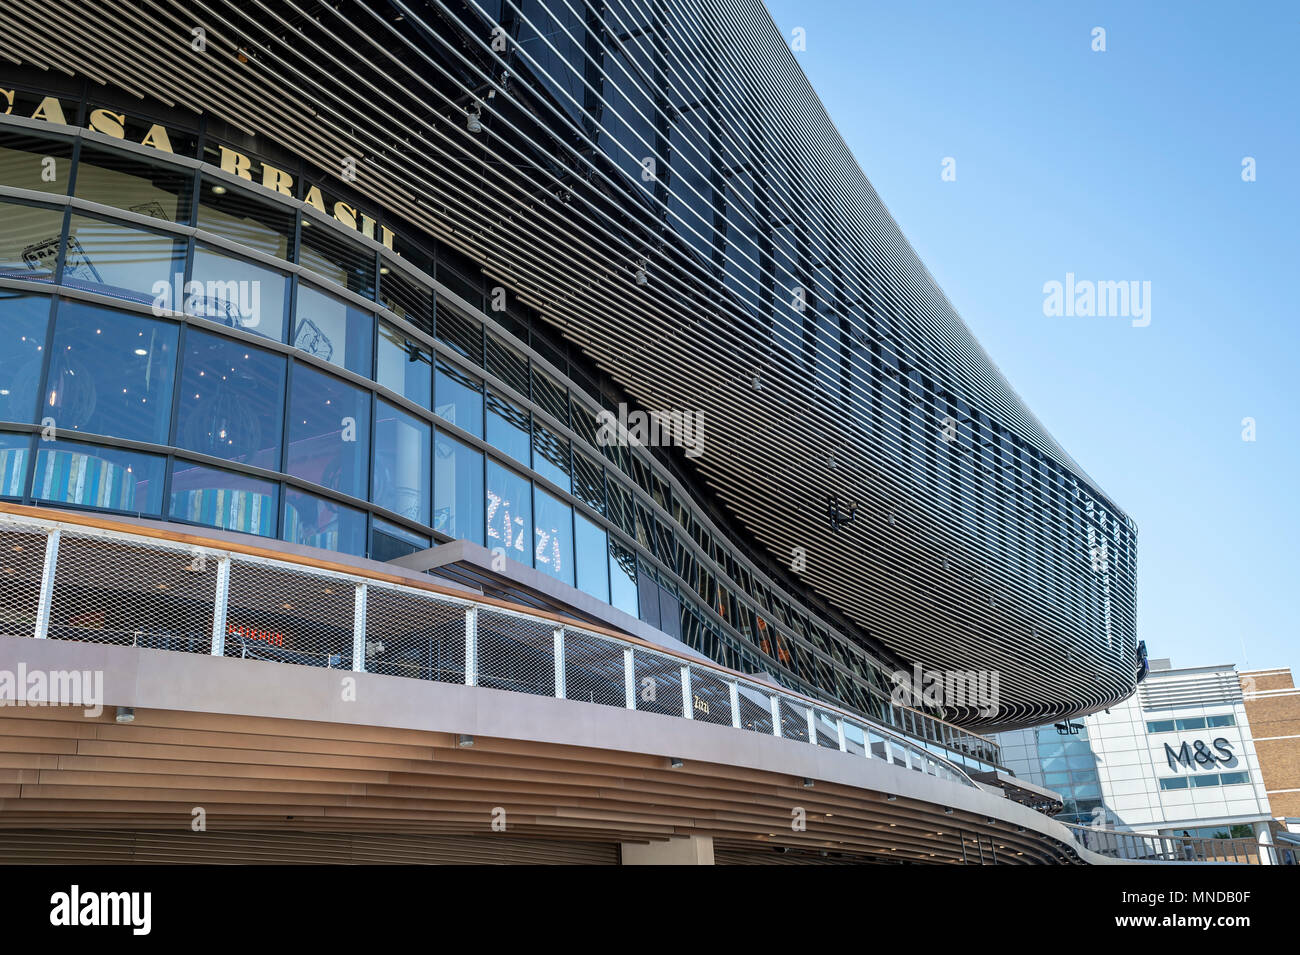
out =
column 1116, row 166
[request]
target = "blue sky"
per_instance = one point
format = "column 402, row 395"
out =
column 1116, row 166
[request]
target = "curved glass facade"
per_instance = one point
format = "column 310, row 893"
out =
column 227, row 370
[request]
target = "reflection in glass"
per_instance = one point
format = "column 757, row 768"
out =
column 403, row 365
column 401, row 479
column 69, row 472
column 591, row 557
column 457, row 489
column 553, row 532
column 23, row 323
column 231, row 401
column 332, row 330
column 29, row 242
column 238, row 294
column 127, row 263
column 126, row 181
column 110, row 373
column 507, row 427
column 24, row 162
column 551, row 455
column 223, row 499
column 329, row 431
column 14, row 449
column 622, row 578
column 318, row 522
column 233, row 213
column 459, row 399
column 333, row 257
column 509, row 513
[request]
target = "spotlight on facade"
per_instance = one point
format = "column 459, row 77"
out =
column 891, row 798
column 807, row 783
column 947, row 812
column 474, row 121
column 675, row 763
column 125, row 714
column 464, row 740
column 641, row 277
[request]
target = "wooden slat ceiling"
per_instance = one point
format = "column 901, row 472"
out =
column 353, row 790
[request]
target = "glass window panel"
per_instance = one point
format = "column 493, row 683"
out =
column 403, row 365
column 406, row 297
column 1193, row 723
column 550, row 396
column 1228, row 720
column 389, row 541
column 551, row 456
column 457, row 489
column 29, row 242
column 333, row 256
column 127, row 263
column 507, row 364
column 622, row 578
column 231, row 402
column 68, row 472
column 507, row 427
column 553, row 532
column 111, row 373
column 217, row 498
column 14, row 449
column 118, row 178
column 509, row 513
column 1232, row 779
column 463, row 334
column 242, row 217
column 24, row 320
column 238, row 294
column 401, row 478
column 23, row 161
column 1160, row 726
column 459, row 399
column 1211, row 779
column 1175, row 783
column 333, row 330
column 329, row 431
column 319, row 522
column 589, row 481
column 590, row 561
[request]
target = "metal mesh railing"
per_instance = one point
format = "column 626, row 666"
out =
column 288, row 616
column 710, row 697
column 755, row 709
column 414, row 636
column 125, row 588
column 113, row 591
column 657, row 683
column 794, row 720
column 593, row 669
column 22, row 559
column 516, row 653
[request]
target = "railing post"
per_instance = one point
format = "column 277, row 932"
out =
column 776, row 715
column 733, row 690
column 220, row 605
column 471, row 646
column 866, row 743
column 359, row 630
column 839, row 730
column 47, row 584
column 688, row 702
column 812, row 725
column 629, row 680
column 559, row 663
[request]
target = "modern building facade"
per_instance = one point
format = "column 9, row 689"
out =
column 402, row 282
column 1273, row 708
column 1179, row 756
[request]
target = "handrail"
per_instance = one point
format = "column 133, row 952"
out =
column 1148, row 847
column 485, row 640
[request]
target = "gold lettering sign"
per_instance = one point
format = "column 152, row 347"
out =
column 232, row 162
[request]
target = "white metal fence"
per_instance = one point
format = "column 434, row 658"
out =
column 1142, row 847
column 63, row 581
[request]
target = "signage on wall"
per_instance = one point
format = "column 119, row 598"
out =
column 1197, row 754
column 51, row 110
